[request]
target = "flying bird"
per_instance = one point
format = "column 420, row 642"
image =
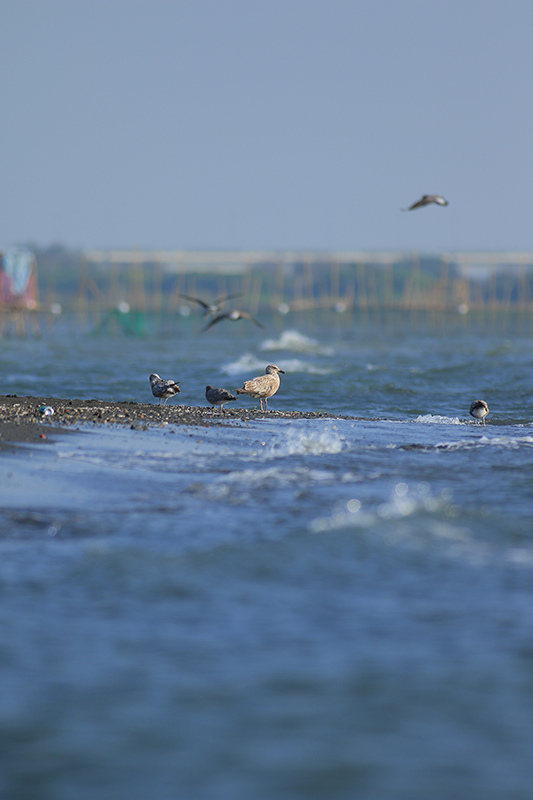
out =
column 233, row 315
column 426, row 200
column 479, row 410
column 218, row 397
column 163, row 389
column 211, row 308
column 263, row 386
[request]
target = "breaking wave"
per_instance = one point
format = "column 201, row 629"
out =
column 297, row 342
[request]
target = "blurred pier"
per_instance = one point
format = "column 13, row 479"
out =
column 340, row 280
column 124, row 289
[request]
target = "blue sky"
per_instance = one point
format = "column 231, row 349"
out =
column 280, row 124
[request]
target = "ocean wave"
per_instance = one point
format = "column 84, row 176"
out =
column 245, row 363
column 310, row 444
column 292, row 365
column 250, row 363
column 438, row 418
column 20, row 378
column 415, row 518
column 297, row 342
column 506, row 442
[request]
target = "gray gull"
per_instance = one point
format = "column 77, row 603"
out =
column 163, row 389
column 479, row 410
column 217, row 397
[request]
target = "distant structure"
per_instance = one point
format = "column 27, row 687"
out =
column 18, row 287
column 283, row 281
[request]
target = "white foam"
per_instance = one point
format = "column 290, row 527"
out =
column 292, row 365
column 506, row 442
column 438, row 418
column 310, row 444
column 297, row 342
column 249, row 363
column 246, row 363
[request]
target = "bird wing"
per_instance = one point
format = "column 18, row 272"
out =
column 195, row 300
column 214, row 320
column 252, row 319
column 219, row 394
column 419, row 203
column 224, row 298
column 158, row 387
column 170, row 385
column 263, row 384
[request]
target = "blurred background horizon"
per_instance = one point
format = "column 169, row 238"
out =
column 282, row 125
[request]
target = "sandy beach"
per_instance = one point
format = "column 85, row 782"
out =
column 22, row 421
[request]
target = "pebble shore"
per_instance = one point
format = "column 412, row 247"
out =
column 22, row 421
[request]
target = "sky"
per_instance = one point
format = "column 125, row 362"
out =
column 267, row 124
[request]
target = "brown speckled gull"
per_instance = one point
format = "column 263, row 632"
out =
column 264, row 386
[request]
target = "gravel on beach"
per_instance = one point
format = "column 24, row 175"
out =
column 21, row 418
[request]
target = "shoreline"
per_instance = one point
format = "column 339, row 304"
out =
column 21, row 421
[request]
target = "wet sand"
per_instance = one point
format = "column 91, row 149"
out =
column 21, row 420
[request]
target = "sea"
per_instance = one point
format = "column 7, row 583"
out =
column 274, row 609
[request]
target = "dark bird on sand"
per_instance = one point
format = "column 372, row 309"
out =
column 263, row 386
column 233, row 315
column 211, row 308
column 218, row 397
column 479, row 410
column 163, row 389
column 426, row 200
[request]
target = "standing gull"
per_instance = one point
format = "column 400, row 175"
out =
column 479, row 410
column 426, row 200
column 217, row 397
column 232, row 315
column 264, row 386
column 163, row 389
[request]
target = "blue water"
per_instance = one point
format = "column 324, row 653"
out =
column 278, row 609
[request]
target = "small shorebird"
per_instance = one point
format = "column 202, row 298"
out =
column 163, row 389
column 426, row 200
column 217, row 397
column 479, row 410
column 233, row 315
column 211, row 308
column 264, row 386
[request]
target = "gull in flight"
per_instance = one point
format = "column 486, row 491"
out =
column 426, row 200
column 163, row 389
column 233, row 315
column 210, row 308
column 263, row 386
